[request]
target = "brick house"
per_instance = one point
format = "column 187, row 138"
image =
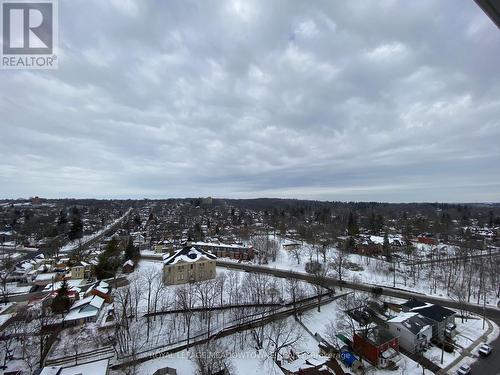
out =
column 378, row 346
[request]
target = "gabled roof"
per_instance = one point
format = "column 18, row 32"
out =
column 91, row 368
column 85, row 308
column 412, row 321
column 188, row 254
column 412, row 303
column 436, row 313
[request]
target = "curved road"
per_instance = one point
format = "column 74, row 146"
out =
column 490, row 312
column 488, row 366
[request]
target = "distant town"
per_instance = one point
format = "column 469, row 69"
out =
column 268, row 286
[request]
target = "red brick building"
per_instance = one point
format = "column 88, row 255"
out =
column 427, row 240
column 229, row 251
column 377, row 346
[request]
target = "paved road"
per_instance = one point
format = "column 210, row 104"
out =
column 489, row 311
column 452, row 259
column 85, row 244
column 488, row 366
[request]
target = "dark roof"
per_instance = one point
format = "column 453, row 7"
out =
column 412, row 303
column 415, row 324
column 378, row 336
column 436, row 313
column 189, row 253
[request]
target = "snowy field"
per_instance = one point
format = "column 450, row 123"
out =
column 370, row 270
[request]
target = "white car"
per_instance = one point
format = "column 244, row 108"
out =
column 464, row 370
column 485, row 350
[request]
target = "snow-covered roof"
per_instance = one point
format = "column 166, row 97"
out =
column 50, row 370
column 214, row 244
column 413, row 322
column 46, row 276
column 85, row 308
column 94, row 301
column 402, row 317
column 72, row 284
column 97, row 302
column 129, row 262
column 82, row 302
column 379, row 240
column 92, row 368
column 188, row 254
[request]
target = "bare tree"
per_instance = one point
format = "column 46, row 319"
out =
column 338, row 265
column 345, row 323
column 295, row 290
column 211, row 358
column 185, row 300
column 207, row 293
column 296, row 253
column 150, row 280
column 281, row 334
column 320, row 274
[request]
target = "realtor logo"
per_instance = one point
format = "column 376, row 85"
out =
column 29, row 34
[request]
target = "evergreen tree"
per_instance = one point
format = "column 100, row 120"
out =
column 63, row 218
column 352, row 225
column 76, row 230
column 61, row 302
column 108, row 261
column 386, row 247
column 131, row 251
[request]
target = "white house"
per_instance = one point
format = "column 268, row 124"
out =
column 414, row 331
column 84, row 310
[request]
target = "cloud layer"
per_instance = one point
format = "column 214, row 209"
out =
column 359, row 100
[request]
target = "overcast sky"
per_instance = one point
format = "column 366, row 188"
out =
column 332, row 100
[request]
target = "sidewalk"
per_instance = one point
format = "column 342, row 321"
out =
column 466, row 352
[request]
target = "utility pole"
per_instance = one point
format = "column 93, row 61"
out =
column 394, row 275
column 484, row 307
column 442, row 351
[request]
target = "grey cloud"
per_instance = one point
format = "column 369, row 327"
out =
column 372, row 100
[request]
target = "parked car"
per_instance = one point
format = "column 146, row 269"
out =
column 484, row 350
column 464, row 370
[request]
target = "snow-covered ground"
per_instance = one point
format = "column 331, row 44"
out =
column 370, row 270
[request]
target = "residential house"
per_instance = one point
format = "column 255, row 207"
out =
column 441, row 318
column 101, row 289
column 44, row 279
column 128, row 266
column 378, row 346
column 139, row 241
column 84, row 310
column 164, row 246
column 291, row 245
column 427, row 238
column 77, row 271
column 414, row 331
column 311, row 366
column 189, row 264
